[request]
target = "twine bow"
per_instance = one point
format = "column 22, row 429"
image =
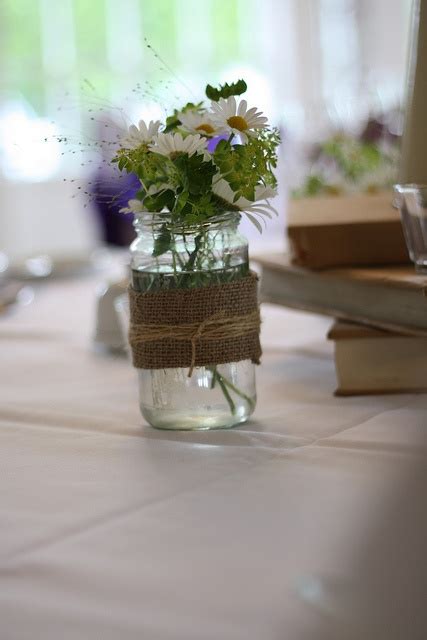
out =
column 215, row 328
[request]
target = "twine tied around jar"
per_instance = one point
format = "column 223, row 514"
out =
column 207, row 325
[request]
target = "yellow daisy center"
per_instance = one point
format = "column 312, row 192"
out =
column 207, row 128
column 237, row 122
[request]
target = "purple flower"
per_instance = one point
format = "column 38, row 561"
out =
column 214, row 141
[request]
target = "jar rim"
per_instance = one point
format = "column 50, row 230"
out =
column 154, row 219
column 410, row 187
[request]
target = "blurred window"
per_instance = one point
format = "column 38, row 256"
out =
column 302, row 59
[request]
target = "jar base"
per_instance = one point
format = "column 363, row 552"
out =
column 218, row 397
column 175, row 421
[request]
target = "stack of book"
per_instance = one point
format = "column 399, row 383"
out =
column 380, row 311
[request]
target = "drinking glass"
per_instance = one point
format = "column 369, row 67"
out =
column 412, row 203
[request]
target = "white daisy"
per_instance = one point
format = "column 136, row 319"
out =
column 170, row 144
column 197, row 123
column 230, row 118
column 141, row 134
column 259, row 207
column 134, row 206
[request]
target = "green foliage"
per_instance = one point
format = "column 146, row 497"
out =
column 353, row 157
column 243, row 165
column 350, row 162
column 152, row 169
column 194, row 174
column 226, row 90
column 164, row 199
column 182, row 184
column 314, row 185
column 193, row 202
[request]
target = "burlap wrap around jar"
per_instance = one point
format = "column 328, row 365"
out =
column 195, row 327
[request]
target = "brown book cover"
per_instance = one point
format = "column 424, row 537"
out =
column 373, row 361
column 334, row 231
column 392, row 298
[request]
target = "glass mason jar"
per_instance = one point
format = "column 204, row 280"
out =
column 163, row 257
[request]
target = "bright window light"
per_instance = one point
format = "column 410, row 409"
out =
column 29, row 149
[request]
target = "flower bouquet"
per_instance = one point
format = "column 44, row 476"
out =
column 194, row 330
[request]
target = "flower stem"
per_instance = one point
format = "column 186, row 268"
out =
column 225, row 383
column 214, row 375
column 186, row 278
column 237, row 391
column 226, row 394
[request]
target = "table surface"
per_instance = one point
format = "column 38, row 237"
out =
column 307, row 522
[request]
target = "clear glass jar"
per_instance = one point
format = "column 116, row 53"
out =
column 164, row 256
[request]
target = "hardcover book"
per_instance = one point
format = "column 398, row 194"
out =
column 334, row 231
column 392, row 298
column 374, row 361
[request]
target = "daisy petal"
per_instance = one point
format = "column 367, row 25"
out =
column 250, row 112
column 254, row 221
column 241, row 111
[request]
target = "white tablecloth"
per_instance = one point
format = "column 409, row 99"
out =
column 307, row 522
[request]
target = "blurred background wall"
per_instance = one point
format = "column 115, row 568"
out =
column 82, row 69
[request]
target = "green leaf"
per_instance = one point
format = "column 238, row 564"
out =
column 172, row 122
column 162, row 242
column 194, row 174
column 226, row 90
column 158, row 201
column 181, row 201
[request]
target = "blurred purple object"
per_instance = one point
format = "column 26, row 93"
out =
column 374, row 131
column 110, row 194
column 377, row 130
column 214, row 141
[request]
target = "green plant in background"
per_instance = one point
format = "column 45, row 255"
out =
column 344, row 164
